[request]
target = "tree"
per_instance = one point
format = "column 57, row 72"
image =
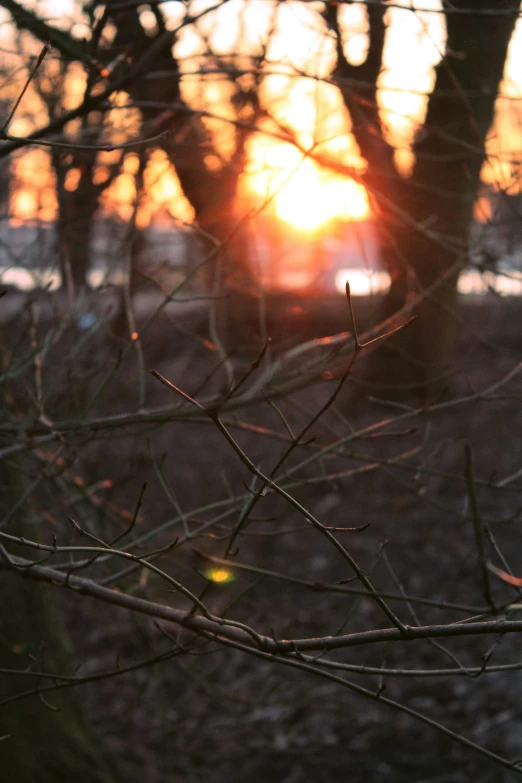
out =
column 209, row 179
column 180, row 131
column 56, row 742
column 424, row 220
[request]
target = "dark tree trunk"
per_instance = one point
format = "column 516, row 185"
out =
column 187, row 143
column 424, row 221
column 75, row 219
column 441, row 193
column 48, row 744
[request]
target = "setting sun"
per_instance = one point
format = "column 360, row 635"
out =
column 309, row 201
column 304, row 195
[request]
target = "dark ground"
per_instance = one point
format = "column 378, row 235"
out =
column 219, row 716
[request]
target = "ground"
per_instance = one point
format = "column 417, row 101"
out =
column 218, row 715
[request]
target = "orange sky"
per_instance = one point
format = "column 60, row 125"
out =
column 313, row 109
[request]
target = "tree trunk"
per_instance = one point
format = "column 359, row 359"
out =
column 440, row 195
column 75, row 221
column 43, row 740
column 424, row 221
column 75, row 250
column 188, row 143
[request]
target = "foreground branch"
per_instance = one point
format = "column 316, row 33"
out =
column 222, row 630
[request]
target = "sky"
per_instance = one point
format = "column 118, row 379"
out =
column 307, row 196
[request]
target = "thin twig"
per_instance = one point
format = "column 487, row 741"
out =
column 36, row 68
column 478, row 526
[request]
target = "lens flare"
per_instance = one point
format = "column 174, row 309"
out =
column 220, row 575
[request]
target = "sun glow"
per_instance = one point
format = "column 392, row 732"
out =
column 24, row 204
column 304, row 195
column 161, row 193
column 310, row 200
